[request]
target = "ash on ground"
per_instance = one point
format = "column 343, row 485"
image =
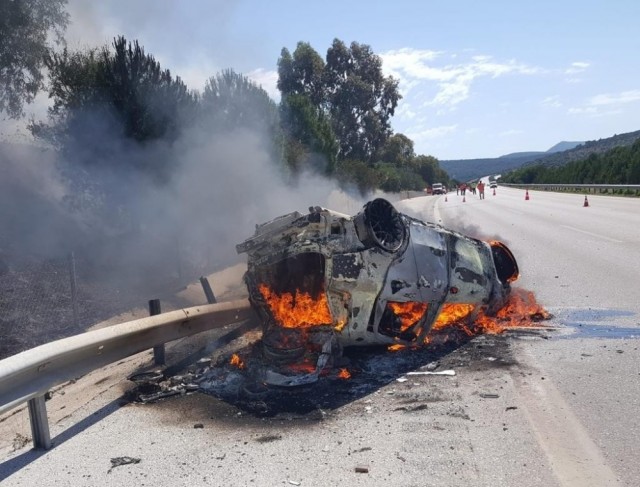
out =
column 237, row 377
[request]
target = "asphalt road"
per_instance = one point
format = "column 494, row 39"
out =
column 550, row 408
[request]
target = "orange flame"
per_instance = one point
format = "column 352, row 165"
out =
column 236, row 361
column 521, row 309
column 409, row 312
column 340, row 326
column 452, row 313
column 297, row 309
column 395, row 347
column 344, row 374
column 304, row 367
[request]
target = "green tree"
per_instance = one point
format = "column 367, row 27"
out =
column 26, row 27
column 633, row 172
column 359, row 174
column 398, row 150
column 302, row 74
column 310, row 140
column 119, row 90
column 393, row 178
column 429, row 169
column 231, row 100
column 351, row 91
column 74, row 89
column 360, row 99
column 115, row 115
column 148, row 100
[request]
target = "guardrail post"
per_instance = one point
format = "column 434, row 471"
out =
column 74, row 293
column 158, row 350
column 208, row 292
column 39, row 423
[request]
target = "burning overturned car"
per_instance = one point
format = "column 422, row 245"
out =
column 324, row 281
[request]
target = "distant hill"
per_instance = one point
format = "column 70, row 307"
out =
column 562, row 146
column 467, row 169
column 522, row 154
column 560, row 154
column 585, row 149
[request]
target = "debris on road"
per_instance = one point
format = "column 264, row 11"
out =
column 120, row 461
column 428, row 372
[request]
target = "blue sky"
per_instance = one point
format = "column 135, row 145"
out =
column 479, row 78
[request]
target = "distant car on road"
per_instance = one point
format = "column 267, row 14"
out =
column 493, row 184
column 437, row 188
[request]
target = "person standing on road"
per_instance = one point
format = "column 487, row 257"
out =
column 481, row 189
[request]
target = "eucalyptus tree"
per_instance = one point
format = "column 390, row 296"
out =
column 349, row 89
column 360, row 99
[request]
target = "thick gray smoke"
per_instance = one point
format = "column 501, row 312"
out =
column 141, row 220
column 33, row 217
column 147, row 238
column 220, row 185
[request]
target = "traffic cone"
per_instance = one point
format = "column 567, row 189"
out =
column 445, row 198
column 494, row 191
column 526, row 195
column 586, row 201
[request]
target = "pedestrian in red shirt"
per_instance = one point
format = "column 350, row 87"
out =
column 480, row 188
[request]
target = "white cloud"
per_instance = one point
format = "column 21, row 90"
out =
column 431, row 133
column 411, row 63
column 624, row 97
column 405, row 111
column 583, row 111
column 268, row 80
column 606, row 104
column 574, row 71
column 552, row 102
column 453, row 78
column 594, row 112
column 577, row 67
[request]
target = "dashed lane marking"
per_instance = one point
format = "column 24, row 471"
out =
column 592, row 234
column 574, row 457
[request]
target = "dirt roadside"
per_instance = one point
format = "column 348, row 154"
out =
column 94, row 391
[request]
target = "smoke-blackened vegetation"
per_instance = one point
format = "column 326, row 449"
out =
column 149, row 184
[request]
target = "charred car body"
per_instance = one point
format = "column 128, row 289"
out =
column 326, row 280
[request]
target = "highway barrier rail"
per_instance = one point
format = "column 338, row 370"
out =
column 29, row 375
column 602, row 188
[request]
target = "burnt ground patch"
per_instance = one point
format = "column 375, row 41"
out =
column 370, row 369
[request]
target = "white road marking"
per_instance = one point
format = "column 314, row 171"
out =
column 574, row 457
column 436, row 212
column 592, row 234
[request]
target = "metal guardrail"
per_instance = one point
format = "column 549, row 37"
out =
column 27, row 376
column 634, row 187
